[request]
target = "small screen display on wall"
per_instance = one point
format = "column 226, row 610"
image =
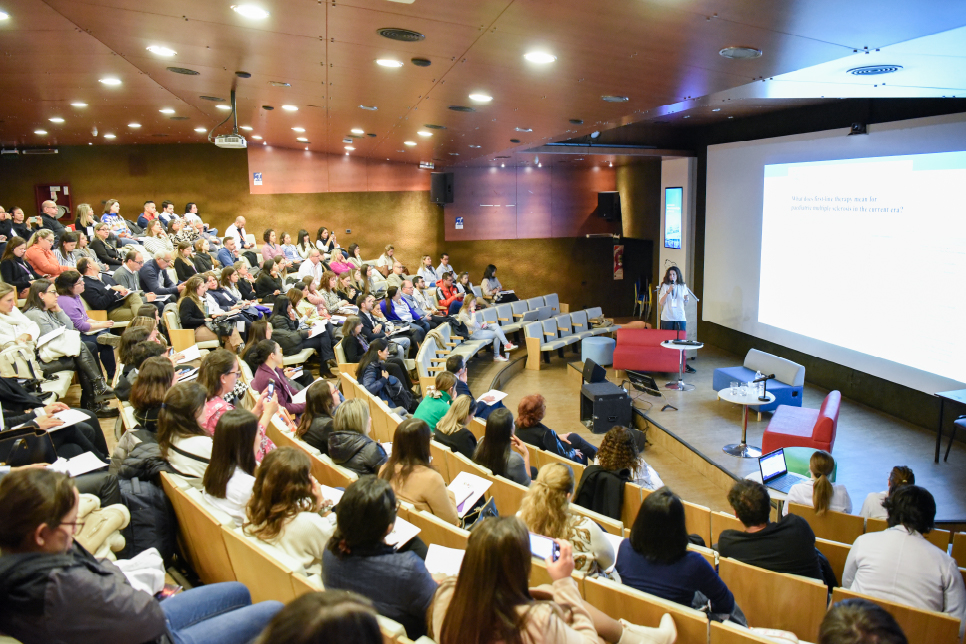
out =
column 673, row 198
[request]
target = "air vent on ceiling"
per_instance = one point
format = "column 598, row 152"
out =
column 462, row 108
column 404, row 35
column 433, row 126
column 503, row 157
column 183, row 70
column 372, row 134
column 576, row 121
column 212, row 98
column 159, row 135
column 740, row 53
column 180, row 118
column 41, row 151
column 614, row 99
column 267, row 107
column 514, row 140
column 279, row 84
column 874, row 70
column 243, row 74
column 421, row 62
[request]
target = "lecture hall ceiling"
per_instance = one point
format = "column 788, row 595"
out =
column 663, row 55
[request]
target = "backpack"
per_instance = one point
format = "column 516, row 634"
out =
column 153, row 523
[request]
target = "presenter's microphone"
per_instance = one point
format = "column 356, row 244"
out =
column 764, row 378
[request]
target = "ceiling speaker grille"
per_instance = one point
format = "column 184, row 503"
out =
column 433, row 126
column 874, row 70
column 212, row 98
column 183, row 70
column 404, row 35
column 462, row 108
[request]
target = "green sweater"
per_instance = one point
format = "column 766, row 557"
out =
column 433, row 409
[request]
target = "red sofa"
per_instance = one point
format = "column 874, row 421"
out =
column 801, row 427
column 641, row 350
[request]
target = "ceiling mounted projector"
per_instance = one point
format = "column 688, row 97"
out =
column 231, row 141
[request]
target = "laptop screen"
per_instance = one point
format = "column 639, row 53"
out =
column 772, row 465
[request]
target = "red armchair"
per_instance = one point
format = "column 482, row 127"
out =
column 641, row 350
column 801, row 427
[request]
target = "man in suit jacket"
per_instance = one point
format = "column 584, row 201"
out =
column 372, row 328
column 121, row 304
column 154, row 276
column 49, row 217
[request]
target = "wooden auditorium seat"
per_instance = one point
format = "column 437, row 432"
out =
column 919, row 624
column 835, row 526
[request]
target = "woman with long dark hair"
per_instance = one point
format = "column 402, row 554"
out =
column 492, row 289
column 184, row 443
column 292, row 339
column 321, row 401
column 411, row 475
column 155, row 378
column 269, row 285
column 672, row 298
column 381, row 377
column 268, row 356
column 230, row 476
column 501, row 452
column 14, row 269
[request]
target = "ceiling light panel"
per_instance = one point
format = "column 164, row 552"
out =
column 539, row 57
column 161, row 51
column 110, row 81
column 388, row 62
column 223, row 107
column 250, row 11
column 290, row 108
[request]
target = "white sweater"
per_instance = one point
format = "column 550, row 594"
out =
column 237, row 494
column 199, row 446
column 801, row 493
column 304, row 539
column 15, row 324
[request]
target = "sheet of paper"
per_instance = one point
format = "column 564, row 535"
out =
column 318, row 328
column 492, row 397
column 401, row 533
column 467, row 489
column 84, row 463
column 191, row 375
column 70, row 417
column 300, row 396
column 331, row 494
column 338, row 319
column 443, row 561
column 47, row 337
column 189, row 354
column 161, row 298
column 387, row 447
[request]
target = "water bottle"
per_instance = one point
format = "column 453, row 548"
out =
column 759, row 385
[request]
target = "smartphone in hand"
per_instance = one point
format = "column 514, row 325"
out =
column 544, row 547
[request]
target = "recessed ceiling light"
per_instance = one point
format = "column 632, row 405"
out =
column 482, row 98
column 4, row 15
column 290, row 108
column 301, row 138
column 40, row 131
column 78, row 104
column 349, row 147
column 740, row 53
column 223, row 107
column 250, row 11
column 356, row 130
column 279, row 84
column 474, row 146
column 371, row 108
column 347, row 140
column 161, row 51
column 540, row 57
column 110, row 81
column 409, row 143
column 166, row 110
column 523, row 129
column 256, row 137
column 454, row 154
column 109, row 136
column 687, row 116
column 298, row 129
column 717, row 109
column 200, row 129
column 134, row 125
column 56, row 119
column 424, row 133
column 247, row 128
column 388, row 62
column 730, row 117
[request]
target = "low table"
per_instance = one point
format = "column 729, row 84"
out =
column 680, row 385
column 743, row 449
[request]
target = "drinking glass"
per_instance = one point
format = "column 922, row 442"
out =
column 734, row 387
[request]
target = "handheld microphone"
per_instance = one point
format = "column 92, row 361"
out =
column 764, row 378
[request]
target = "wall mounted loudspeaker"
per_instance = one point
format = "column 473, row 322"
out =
column 441, row 188
column 609, row 205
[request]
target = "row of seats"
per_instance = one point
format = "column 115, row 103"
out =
column 556, row 333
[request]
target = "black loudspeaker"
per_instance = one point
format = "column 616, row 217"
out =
column 606, row 405
column 609, row 205
column 593, row 372
column 441, row 188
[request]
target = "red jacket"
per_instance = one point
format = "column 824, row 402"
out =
column 447, row 295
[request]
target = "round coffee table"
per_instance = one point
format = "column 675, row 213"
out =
column 680, row 385
column 743, row 449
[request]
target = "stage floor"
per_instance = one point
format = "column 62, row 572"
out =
column 868, row 442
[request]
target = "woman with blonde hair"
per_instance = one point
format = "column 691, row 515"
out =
column 193, row 313
column 288, row 510
column 40, row 254
column 484, row 330
column 546, row 511
column 85, row 220
column 155, row 239
column 349, row 442
column 452, row 430
column 819, row 492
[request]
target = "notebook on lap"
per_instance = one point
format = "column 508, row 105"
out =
column 775, row 474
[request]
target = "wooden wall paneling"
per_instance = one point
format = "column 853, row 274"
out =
column 533, row 204
column 286, row 171
column 475, row 193
column 347, row 173
column 388, row 176
column 575, row 201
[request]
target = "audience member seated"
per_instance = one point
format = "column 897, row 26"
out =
column 328, row 616
column 83, row 250
column 449, row 297
column 426, row 270
column 338, row 263
column 396, row 276
column 484, row 330
column 328, row 289
column 358, row 559
column 618, row 451
column 321, row 400
column 237, row 232
column 66, row 354
column 262, row 330
column 288, row 510
column 787, row 546
column 501, row 452
column 304, row 244
column 355, row 255
column 268, row 355
column 191, row 311
column 184, row 264
column 355, row 345
column 325, row 241
column 405, row 306
column 872, row 507
column 183, row 441
column 106, row 248
column 859, row 621
column 245, row 285
column 900, row 565
column 119, row 228
column 413, row 294
column 228, row 254
column 155, row 377
column 530, row 429
column 167, row 214
column 373, row 328
column 656, row 560
column 154, row 276
column 132, row 359
column 383, row 376
column 546, row 510
column 375, row 282
column 308, row 313
column 56, row 591
column 64, row 250
column 349, row 442
column 294, row 340
column 386, row 260
column 40, row 256
column 156, row 240
column 313, row 267
column 492, row 289
column 452, row 430
column 818, row 492
column 269, row 284
column 346, row 291
column 505, row 610
column 121, row 304
column 271, row 249
column 201, row 256
column 70, row 285
column 220, row 292
column 14, row 269
column 444, row 265
column 437, row 400
column 18, row 224
column 455, row 364
column 411, row 476
column 290, row 250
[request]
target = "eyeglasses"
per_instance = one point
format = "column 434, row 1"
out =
column 233, row 373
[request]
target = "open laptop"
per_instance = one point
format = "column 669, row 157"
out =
column 775, row 474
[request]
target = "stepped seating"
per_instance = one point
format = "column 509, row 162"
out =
column 919, row 624
column 834, row 526
column 182, row 338
column 938, row 538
